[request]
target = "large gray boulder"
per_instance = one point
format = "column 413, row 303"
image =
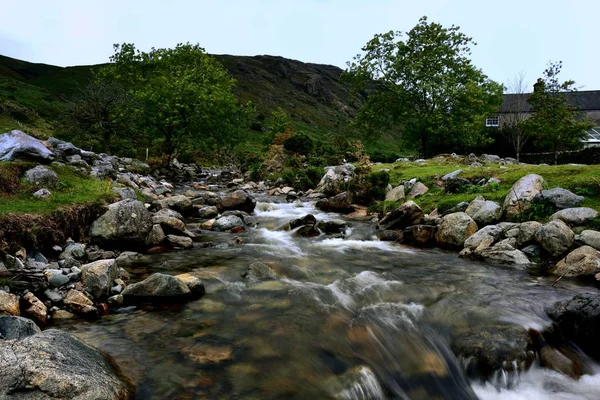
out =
column 331, row 182
column 504, row 254
column 575, row 216
column 396, row 194
column 97, row 277
column 41, row 177
column 341, row 203
column 158, row 287
column 406, row 215
column 555, row 237
column 125, row 223
column 454, row 229
column 488, row 234
column 181, row 204
column 560, row 198
column 56, row 365
column 228, row 222
column 488, row 213
column 584, row 260
column 527, row 232
column 522, row 194
column 590, row 238
column 238, row 200
column 17, row 145
column 14, row 327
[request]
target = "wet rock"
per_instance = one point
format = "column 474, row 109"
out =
column 180, row 203
column 390, row 235
column 555, row 237
column 205, row 354
column 60, row 315
column 527, row 232
column 307, row 231
column 552, row 358
column 127, row 222
column 115, row 300
column 575, row 216
column 156, row 236
column 333, row 226
column 420, row 235
column 584, row 260
column 193, row 283
column 169, row 224
column 504, row 254
column 56, row 279
column 305, row 220
column 157, row 287
column 53, row 295
column 341, row 203
column 15, row 327
column 9, row 304
column 417, row 190
column 42, row 194
column 228, row 223
column 578, row 320
column 34, row 309
column 490, row 234
column 396, row 194
column 55, row 364
column 357, row 383
column 590, row 238
column 128, row 258
column 97, row 277
column 208, row 212
column 406, row 215
column 522, row 194
column 259, row 271
column 334, row 179
column 238, row 200
column 560, row 198
column 454, row 229
column 532, row 251
column 16, row 145
column 182, row 242
column 80, row 304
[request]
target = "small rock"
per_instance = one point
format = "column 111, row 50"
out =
column 9, row 304
column 180, row 241
column 35, row 309
column 42, row 194
column 41, row 177
column 575, row 216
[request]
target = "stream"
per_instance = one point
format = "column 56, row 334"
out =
column 352, row 318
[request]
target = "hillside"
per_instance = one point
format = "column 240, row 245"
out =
column 31, row 95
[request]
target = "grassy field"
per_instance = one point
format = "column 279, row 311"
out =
column 580, row 179
column 74, row 187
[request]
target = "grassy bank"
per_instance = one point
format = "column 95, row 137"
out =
column 580, row 179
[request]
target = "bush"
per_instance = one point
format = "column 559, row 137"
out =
column 299, row 143
column 367, row 186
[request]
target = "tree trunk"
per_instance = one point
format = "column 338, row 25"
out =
column 107, row 136
column 518, row 156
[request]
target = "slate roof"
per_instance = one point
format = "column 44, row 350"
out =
column 585, row 100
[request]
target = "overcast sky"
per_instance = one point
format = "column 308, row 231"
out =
column 512, row 35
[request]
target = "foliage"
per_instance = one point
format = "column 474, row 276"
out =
column 513, row 127
column 554, row 122
column 367, row 186
column 425, row 84
column 185, row 96
column 300, row 143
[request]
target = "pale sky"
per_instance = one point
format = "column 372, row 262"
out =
column 512, row 35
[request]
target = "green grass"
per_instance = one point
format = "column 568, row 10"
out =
column 582, row 180
column 74, row 187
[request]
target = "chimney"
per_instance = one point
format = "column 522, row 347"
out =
column 539, row 86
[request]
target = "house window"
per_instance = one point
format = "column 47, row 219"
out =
column 492, row 121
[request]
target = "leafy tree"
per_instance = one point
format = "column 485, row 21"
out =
column 99, row 112
column 423, row 82
column 299, row 143
column 554, row 122
column 513, row 124
column 185, row 96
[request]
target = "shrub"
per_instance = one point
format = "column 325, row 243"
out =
column 368, row 186
column 299, row 143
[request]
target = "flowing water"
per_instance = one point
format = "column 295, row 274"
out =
column 351, row 318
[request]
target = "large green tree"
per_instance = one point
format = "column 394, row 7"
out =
column 423, row 84
column 554, row 123
column 185, row 96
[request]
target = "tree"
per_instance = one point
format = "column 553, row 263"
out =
column 99, row 112
column 513, row 124
column 424, row 82
column 185, row 96
column 554, row 122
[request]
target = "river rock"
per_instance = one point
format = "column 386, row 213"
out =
column 15, row 327
column 331, row 183
column 41, row 177
column 238, row 200
column 578, row 320
column 575, row 216
column 474, row 206
column 307, row 231
column 341, row 203
column 156, row 236
column 396, row 194
column 305, row 220
column 169, row 224
column 333, row 226
column 406, row 215
column 34, row 308
column 127, row 222
column 9, row 304
column 180, row 203
column 157, row 287
column 56, row 365
column 584, row 260
column 420, row 235
column 454, row 229
column 560, row 198
column 503, row 253
column 73, row 250
column 417, row 190
column 193, row 283
column 555, row 237
column 527, row 232
column 490, row 234
column 80, row 304
column 228, row 223
column 488, row 213
column 97, row 277
column 208, row 212
column 590, row 238
column 258, row 271
column 390, row 235
column 522, row 194
column 125, row 193
column 183, row 242
column 17, row 145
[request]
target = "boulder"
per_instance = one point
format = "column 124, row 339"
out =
column 451, row 175
column 522, row 194
column 334, row 177
column 396, row 194
column 305, row 220
column 193, row 283
column 420, row 235
column 180, row 203
column 238, row 200
column 17, row 145
column 555, row 237
column 42, row 194
column 406, row 215
column 15, row 327
column 560, row 198
column 333, row 226
column 584, row 260
column 9, row 304
column 208, row 212
column 182, row 242
column 56, row 365
column 169, row 224
column 489, row 234
column 259, row 271
column 527, row 232
column 157, row 287
column 80, row 304
column 390, row 236
column 454, row 229
column 125, row 193
column 307, row 231
column 41, row 177
column 417, row 190
column 341, row 203
column 156, row 236
column 456, row 184
column 504, row 254
column 34, row 309
column 127, row 222
column 475, row 205
column 578, row 320
column 97, row 277
column 590, row 238
column 73, row 250
column 228, row 223
column 488, row 213
column 575, row 216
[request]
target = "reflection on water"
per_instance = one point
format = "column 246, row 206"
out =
column 345, row 318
